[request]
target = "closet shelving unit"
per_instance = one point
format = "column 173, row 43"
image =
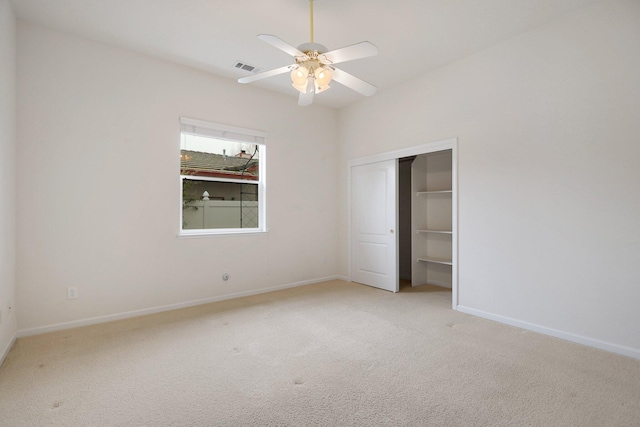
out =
column 432, row 219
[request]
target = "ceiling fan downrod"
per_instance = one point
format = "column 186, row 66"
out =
column 311, row 20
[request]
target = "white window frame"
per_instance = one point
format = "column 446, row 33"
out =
column 235, row 134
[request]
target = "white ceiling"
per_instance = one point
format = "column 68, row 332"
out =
column 412, row 36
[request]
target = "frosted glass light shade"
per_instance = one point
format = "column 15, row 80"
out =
column 322, row 78
column 299, row 78
column 323, row 75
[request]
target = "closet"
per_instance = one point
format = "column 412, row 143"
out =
column 432, row 207
column 403, row 218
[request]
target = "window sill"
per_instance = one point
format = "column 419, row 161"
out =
column 221, row 232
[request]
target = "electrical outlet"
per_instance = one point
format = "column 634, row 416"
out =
column 72, row 292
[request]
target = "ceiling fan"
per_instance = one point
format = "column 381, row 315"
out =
column 314, row 65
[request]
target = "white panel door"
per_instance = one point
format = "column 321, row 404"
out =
column 374, row 242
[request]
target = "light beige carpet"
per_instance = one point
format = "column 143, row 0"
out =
column 331, row 354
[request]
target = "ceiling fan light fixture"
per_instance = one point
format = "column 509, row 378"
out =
column 323, row 75
column 319, row 88
column 299, row 78
column 322, row 79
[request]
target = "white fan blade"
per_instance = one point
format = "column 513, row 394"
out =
column 305, row 98
column 353, row 82
column 265, row 74
column 280, row 44
column 355, row 51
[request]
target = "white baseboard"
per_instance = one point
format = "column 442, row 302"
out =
column 591, row 342
column 343, row 278
column 152, row 310
column 6, row 351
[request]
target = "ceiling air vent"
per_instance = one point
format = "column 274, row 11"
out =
column 246, row 67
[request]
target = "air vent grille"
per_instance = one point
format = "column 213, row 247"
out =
column 246, row 67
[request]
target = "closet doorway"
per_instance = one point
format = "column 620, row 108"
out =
column 425, row 199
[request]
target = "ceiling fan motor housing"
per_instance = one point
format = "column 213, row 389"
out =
column 310, row 47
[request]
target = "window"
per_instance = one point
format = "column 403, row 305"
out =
column 222, row 178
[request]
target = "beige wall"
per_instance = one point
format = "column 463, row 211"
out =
column 7, row 175
column 549, row 184
column 99, row 131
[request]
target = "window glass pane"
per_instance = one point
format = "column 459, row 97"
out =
column 222, row 184
column 213, row 204
column 215, row 158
